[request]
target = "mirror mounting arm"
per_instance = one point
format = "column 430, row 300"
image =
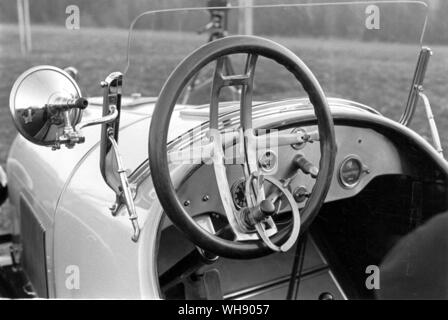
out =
column 113, row 114
column 70, row 137
column 61, row 112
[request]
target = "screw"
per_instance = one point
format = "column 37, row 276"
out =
column 206, row 198
column 300, row 194
column 187, row 203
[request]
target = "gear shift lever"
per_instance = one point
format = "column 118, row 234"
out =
column 259, row 213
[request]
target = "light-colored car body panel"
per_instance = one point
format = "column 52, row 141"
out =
column 44, row 178
column 71, row 199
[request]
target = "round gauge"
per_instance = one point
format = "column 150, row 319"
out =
column 350, row 172
column 239, row 194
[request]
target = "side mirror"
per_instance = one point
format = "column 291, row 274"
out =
column 46, row 105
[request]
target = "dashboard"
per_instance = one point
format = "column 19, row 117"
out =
column 363, row 154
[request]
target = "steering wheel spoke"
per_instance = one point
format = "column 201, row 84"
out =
column 219, row 168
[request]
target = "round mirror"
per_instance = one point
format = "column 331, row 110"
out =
column 32, row 94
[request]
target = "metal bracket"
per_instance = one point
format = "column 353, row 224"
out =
column 112, row 169
column 125, row 195
column 417, row 83
column 416, row 92
column 112, row 87
column 432, row 123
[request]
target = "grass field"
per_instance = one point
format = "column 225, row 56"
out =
column 376, row 74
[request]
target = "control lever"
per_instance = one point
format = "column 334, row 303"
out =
column 258, row 213
column 300, row 162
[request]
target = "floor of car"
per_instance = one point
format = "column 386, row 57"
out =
column 262, row 278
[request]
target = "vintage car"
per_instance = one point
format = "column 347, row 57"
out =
column 128, row 196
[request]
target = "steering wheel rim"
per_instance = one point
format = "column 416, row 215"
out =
column 157, row 148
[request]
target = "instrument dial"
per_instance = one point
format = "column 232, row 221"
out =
column 239, row 194
column 350, row 172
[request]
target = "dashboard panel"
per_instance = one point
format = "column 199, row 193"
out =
column 363, row 154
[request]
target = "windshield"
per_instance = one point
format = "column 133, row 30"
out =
column 362, row 51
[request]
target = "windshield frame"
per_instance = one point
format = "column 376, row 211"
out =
column 290, row 5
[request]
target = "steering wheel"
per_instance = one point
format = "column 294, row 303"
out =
column 254, row 229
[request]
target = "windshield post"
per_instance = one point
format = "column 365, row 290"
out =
column 417, row 84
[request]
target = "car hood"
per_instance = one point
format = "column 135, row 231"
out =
column 136, row 107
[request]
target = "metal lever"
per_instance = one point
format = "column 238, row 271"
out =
column 306, row 166
column 259, row 213
column 417, row 83
column 126, row 193
column 432, row 123
column 263, row 211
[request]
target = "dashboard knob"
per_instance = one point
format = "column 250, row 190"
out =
column 259, row 213
column 267, row 208
column 306, row 166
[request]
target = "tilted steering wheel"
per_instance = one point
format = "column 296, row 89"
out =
column 255, row 231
